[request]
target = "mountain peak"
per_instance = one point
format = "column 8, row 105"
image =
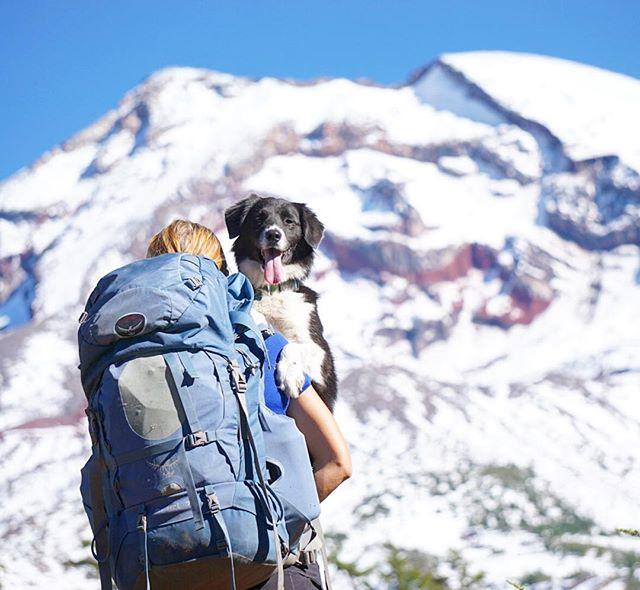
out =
column 478, row 282
column 592, row 111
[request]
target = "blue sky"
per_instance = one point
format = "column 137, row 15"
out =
column 64, row 63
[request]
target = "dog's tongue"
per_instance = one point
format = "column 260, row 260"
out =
column 273, row 271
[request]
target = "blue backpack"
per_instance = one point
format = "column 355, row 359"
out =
column 192, row 482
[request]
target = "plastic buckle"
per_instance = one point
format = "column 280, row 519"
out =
column 213, row 505
column 194, row 283
column 242, row 385
column 238, row 379
column 197, row 439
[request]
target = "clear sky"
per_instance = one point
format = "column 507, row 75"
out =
column 64, row 63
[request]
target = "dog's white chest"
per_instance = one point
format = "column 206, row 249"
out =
column 288, row 313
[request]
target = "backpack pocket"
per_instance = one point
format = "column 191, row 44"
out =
column 131, row 313
column 286, row 452
column 235, row 521
column 158, row 446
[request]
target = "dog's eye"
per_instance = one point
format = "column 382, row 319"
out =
column 289, row 221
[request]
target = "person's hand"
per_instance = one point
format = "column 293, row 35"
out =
column 290, row 376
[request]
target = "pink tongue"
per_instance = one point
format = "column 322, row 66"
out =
column 272, row 266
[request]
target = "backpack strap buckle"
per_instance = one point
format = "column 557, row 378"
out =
column 196, row 439
column 223, row 542
column 194, row 283
column 238, row 378
column 308, row 557
column 213, row 504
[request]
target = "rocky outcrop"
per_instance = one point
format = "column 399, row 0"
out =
column 17, row 290
column 597, row 205
column 381, row 258
column 12, row 273
column 388, row 197
column 422, row 333
column 421, row 267
column 526, row 272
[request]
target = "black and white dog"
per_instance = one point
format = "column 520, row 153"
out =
column 275, row 247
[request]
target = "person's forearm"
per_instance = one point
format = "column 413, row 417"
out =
column 329, row 476
column 327, row 446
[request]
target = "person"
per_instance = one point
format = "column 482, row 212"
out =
column 329, row 452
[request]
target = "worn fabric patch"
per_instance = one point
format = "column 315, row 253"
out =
column 147, row 399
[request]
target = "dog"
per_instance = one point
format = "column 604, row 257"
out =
column 275, row 243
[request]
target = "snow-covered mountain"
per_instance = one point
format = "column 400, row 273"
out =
column 479, row 278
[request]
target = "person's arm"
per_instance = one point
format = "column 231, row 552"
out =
column 328, row 449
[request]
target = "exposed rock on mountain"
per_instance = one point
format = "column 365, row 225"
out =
column 479, row 287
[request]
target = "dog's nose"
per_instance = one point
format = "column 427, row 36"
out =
column 273, row 235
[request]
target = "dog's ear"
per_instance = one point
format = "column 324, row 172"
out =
column 312, row 228
column 235, row 215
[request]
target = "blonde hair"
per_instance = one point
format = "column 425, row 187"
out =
column 188, row 237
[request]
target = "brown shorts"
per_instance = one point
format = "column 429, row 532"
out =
column 296, row 577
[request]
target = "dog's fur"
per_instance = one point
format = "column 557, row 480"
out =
column 293, row 310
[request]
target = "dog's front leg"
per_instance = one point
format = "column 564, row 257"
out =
column 290, row 372
column 298, row 359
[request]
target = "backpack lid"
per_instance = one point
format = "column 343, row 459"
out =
column 150, row 306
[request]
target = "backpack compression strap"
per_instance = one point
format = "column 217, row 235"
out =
column 101, row 536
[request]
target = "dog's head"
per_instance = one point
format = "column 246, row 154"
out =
column 276, row 238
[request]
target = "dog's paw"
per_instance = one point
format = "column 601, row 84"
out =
column 290, row 375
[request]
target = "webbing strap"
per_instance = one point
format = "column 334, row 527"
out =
column 187, row 476
column 196, row 439
column 244, row 319
column 214, row 510
column 157, row 449
column 239, row 391
column 99, row 517
column 317, row 527
column 144, row 547
column 175, row 362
